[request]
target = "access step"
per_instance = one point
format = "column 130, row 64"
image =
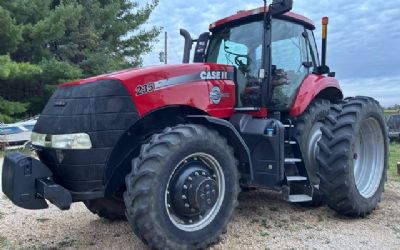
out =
column 297, row 198
column 296, row 178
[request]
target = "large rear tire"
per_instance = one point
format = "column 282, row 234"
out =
column 183, row 188
column 307, row 131
column 353, row 156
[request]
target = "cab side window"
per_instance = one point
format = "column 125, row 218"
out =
column 289, row 55
column 313, row 55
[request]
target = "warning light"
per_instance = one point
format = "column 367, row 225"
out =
column 325, row 21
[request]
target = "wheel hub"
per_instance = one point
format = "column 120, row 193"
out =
column 204, row 193
column 193, row 191
column 369, row 157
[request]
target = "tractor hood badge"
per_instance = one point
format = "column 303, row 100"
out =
column 215, row 95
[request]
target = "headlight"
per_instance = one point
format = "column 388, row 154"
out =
column 67, row 141
column 71, row 141
column 39, row 139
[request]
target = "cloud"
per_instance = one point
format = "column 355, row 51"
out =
column 363, row 42
column 385, row 89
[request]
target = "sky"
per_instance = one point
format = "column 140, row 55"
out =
column 363, row 38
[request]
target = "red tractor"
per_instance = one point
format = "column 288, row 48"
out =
column 170, row 147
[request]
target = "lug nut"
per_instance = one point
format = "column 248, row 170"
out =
column 195, row 158
column 196, row 173
column 184, row 197
column 185, row 187
column 203, row 173
column 190, row 178
column 187, row 205
column 168, row 205
column 192, row 210
column 190, row 221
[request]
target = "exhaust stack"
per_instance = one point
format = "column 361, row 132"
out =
column 188, row 45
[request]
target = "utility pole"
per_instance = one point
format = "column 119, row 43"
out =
column 166, row 48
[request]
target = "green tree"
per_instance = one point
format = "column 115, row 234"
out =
column 46, row 42
column 19, row 74
column 9, row 109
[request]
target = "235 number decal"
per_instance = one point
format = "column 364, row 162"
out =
column 144, row 89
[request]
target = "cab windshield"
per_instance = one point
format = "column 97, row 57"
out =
column 241, row 47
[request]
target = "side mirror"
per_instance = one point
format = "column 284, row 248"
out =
column 201, row 46
column 279, row 7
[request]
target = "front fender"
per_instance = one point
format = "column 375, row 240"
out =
column 224, row 127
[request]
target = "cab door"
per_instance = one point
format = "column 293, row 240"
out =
column 290, row 62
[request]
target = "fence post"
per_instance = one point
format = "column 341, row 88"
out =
column 398, row 168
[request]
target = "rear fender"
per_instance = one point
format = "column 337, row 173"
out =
column 315, row 86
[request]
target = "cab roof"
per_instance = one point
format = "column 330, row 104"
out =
column 247, row 14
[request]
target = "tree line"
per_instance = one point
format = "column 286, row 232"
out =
column 47, row 42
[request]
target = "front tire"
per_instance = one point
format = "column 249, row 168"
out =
column 353, row 156
column 183, row 188
column 108, row 208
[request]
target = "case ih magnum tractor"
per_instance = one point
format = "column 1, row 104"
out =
column 170, row 147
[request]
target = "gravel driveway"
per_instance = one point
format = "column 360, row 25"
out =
column 262, row 221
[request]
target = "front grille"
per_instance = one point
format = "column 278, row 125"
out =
column 104, row 110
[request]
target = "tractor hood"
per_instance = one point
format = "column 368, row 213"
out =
column 167, row 74
column 155, row 87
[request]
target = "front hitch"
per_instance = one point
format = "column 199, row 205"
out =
column 26, row 182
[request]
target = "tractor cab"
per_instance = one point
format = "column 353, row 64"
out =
column 272, row 51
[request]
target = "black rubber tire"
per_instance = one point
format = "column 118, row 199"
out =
column 146, row 185
column 108, row 208
column 317, row 111
column 336, row 156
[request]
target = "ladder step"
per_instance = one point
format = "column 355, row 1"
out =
column 292, row 160
column 291, row 142
column 299, row 198
column 296, row 178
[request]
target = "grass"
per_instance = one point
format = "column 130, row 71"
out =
column 389, row 112
column 3, row 242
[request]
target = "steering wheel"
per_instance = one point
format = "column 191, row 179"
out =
column 239, row 62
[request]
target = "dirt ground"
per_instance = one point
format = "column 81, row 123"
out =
column 262, row 221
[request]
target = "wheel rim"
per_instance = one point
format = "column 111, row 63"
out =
column 312, row 146
column 369, row 157
column 195, row 192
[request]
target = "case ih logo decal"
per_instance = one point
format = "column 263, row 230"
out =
column 202, row 76
column 213, row 75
